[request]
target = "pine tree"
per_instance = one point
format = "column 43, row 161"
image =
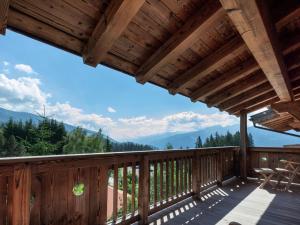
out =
column 169, row 146
column 198, row 143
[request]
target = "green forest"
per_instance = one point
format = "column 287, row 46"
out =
column 49, row 137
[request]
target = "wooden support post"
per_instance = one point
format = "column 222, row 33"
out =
column 103, row 182
column 4, row 7
column 144, row 191
column 196, row 183
column 243, row 144
column 21, row 193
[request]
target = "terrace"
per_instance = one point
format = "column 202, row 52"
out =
column 236, row 55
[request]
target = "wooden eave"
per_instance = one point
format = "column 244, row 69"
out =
column 195, row 48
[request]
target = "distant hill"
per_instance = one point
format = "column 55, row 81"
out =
column 261, row 138
column 5, row 115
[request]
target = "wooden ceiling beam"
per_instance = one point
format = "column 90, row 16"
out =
column 4, row 8
column 225, row 79
column 245, row 96
column 109, row 28
column 181, row 40
column 291, row 107
column 260, row 105
column 255, row 101
column 234, row 90
column 210, row 63
column 251, row 18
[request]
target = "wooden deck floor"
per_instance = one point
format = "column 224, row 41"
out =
column 237, row 202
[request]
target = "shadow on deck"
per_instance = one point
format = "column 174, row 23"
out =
column 236, row 203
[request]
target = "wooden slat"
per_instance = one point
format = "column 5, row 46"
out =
column 251, row 18
column 125, row 190
column 21, row 194
column 172, row 178
column 4, row 6
column 234, row 90
column 177, row 177
column 144, row 190
column 133, row 206
column 210, row 63
column 291, row 107
column 109, row 28
column 225, row 79
column 3, row 200
column 115, row 193
column 181, row 40
column 161, row 181
column 155, row 183
column 167, row 180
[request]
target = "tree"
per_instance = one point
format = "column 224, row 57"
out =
column 198, row 143
column 169, row 146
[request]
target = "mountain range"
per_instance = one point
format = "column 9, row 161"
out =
column 260, row 137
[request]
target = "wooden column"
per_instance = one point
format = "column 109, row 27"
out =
column 103, row 183
column 196, row 182
column 21, row 193
column 4, row 6
column 144, row 191
column 243, row 144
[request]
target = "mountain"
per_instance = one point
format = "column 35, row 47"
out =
column 5, row 115
column 261, row 137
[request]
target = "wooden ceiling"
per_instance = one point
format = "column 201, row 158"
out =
column 236, row 55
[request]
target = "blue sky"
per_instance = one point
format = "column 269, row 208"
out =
column 34, row 74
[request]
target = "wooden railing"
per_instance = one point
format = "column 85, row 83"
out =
column 270, row 157
column 100, row 188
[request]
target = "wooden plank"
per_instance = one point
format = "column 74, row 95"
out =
column 291, row 107
column 253, row 22
column 210, row 63
column 125, row 190
column 225, row 79
column 243, row 144
column 234, row 90
column 144, row 190
column 172, row 178
column 177, row 177
column 21, row 194
column 133, row 206
column 3, row 200
column 115, row 193
column 155, row 183
column 161, row 181
column 181, row 40
column 4, row 8
column 109, row 28
column 167, row 180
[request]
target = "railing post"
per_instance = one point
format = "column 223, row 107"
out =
column 143, row 200
column 196, row 182
column 220, row 168
column 21, row 193
column 103, row 182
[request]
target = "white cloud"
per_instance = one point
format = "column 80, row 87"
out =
column 25, row 94
column 25, row 68
column 5, row 63
column 111, row 109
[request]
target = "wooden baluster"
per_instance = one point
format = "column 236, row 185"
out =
column 196, row 185
column 172, row 178
column 144, row 175
column 21, row 194
column 185, row 175
column 167, row 180
column 133, row 188
column 161, row 173
column 155, row 183
column 190, row 174
column 103, row 183
column 180, row 176
column 125, row 183
column 115, row 193
column 177, row 177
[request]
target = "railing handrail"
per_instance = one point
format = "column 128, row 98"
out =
column 275, row 149
column 29, row 159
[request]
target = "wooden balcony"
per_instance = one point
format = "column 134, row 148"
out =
column 73, row 189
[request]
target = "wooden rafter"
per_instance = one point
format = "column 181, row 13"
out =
column 260, row 105
column 291, row 107
column 210, row 63
column 234, row 90
column 251, row 18
column 109, row 28
column 4, row 6
column 225, row 79
column 181, row 40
